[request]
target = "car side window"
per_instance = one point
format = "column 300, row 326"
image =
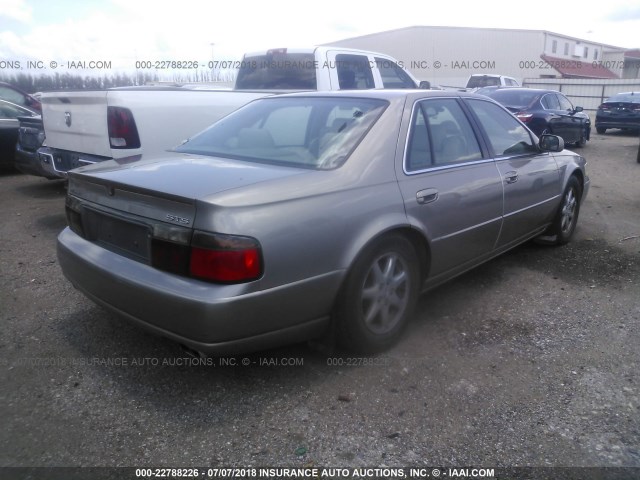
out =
column 506, row 134
column 440, row 135
column 392, row 75
column 12, row 96
column 419, row 147
column 12, row 111
column 565, row 104
column 354, row 72
column 550, row 102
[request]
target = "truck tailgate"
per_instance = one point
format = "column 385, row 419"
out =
column 165, row 119
column 77, row 121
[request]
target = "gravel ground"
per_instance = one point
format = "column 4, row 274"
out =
column 529, row 360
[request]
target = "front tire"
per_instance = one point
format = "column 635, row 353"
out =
column 379, row 296
column 566, row 218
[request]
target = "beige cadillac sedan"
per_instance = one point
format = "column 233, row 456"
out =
column 309, row 213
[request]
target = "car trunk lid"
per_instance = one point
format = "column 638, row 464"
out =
column 166, row 188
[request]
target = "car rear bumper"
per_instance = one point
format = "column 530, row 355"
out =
column 31, row 163
column 626, row 124
column 214, row 319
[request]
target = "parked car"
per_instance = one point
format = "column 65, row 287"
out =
column 313, row 212
column 15, row 95
column 622, row 110
column 9, row 113
column 30, row 138
column 546, row 111
column 481, row 80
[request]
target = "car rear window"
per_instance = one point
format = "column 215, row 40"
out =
column 483, row 81
column 514, row 98
column 625, row 97
column 308, row 132
column 278, row 70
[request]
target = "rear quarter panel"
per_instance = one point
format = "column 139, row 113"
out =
column 317, row 222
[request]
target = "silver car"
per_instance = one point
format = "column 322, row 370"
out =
column 303, row 214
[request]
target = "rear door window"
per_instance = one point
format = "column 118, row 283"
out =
column 354, row 72
column 392, row 75
column 440, row 135
column 550, row 102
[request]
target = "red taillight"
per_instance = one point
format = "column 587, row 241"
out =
column 123, row 132
column 225, row 265
column 524, row 117
column 225, row 258
column 207, row 256
column 604, row 106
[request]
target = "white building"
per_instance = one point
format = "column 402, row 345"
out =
column 448, row 55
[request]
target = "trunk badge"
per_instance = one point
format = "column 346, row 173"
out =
column 67, row 118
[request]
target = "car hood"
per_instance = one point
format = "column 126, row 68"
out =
column 181, row 175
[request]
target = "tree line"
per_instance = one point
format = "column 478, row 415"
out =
column 65, row 81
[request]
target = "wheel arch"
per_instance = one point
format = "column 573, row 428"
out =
column 368, row 240
column 577, row 173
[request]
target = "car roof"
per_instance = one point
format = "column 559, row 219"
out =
column 385, row 94
column 322, row 50
column 527, row 89
column 625, row 93
column 13, row 87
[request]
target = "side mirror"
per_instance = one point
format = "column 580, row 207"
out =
column 578, row 109
column 551, row 143
column 425, row 85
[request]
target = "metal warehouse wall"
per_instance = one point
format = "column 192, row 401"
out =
column 586, row 93
column 448, row 55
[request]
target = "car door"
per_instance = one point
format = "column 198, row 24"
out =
column 574, row 124
column 530, row 177
column 451, row 191
column 556, row 121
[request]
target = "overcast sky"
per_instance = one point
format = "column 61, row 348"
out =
column 123, row 31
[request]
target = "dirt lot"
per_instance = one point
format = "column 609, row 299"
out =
column 530, row 360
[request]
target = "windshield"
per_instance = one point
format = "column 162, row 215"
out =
column 625, row 97
column 318, row 132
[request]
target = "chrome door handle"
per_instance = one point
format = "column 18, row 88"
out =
column 427, row 195
column 511, row 177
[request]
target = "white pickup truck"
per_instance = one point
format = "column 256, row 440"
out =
column 481, row 80
column 84, row 127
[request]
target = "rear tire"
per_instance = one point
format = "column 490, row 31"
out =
column 601, row 130
column 379, row 296
column 566, row 218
